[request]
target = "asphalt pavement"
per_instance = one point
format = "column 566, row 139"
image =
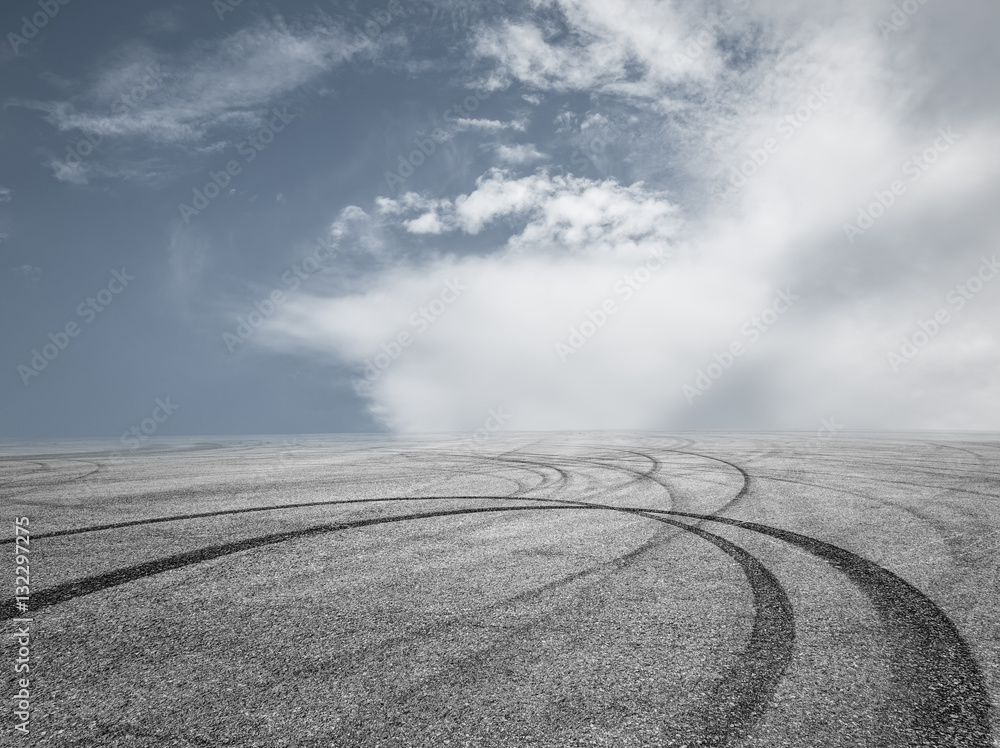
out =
column 571, row 589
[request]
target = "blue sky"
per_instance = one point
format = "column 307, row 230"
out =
column 403, row 216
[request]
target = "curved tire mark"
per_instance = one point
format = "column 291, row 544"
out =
column 748, row 688
column 246, row 510
column 747, row 479
column 65, row 592
column 938, row 679
column 739, row 700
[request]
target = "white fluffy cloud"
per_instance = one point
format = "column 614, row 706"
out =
column 519, row 154
column 581, row 215
column 822, row 130
column 461, row 124
column 634, row 49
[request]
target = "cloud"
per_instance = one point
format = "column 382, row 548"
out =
column 571, row 213
column 630, row 50
column 497, row 343
column 461, row 124
column 581, row 233
column 6, row 194
column 429, row 223
column 231, row 83
column 519, row 154
column 190, row 100
column 140, row 169
column 807, row 118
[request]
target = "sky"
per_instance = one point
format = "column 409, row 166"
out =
column 422, row 216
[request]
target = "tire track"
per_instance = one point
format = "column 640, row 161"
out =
column 744, row 489
column 979, row 458
column 414, row 458
column 547, row 482
column 740, row 698
column 936, row 525
column 748, row 688
column 744, row 692
column 938, row 680
column 901, row 606
column 245, row 510
column 926, row 467
column 522, row 487
column 31, row 482
column 593, row 462
column 70, row 590
column 651, row 475
column 930, row 650
column 910, row 484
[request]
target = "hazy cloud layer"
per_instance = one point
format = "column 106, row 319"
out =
column 659, row 214
column 191, row 101
column 772, row 129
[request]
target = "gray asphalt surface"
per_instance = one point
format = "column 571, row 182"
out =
column 582, row 589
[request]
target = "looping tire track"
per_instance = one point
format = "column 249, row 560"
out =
column 744, row 490
column 739, row 700
column 33, row 485
column 929, row 650
column 935, row 672
column 222, row 512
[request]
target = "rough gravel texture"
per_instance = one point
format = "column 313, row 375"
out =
column 578, row 589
